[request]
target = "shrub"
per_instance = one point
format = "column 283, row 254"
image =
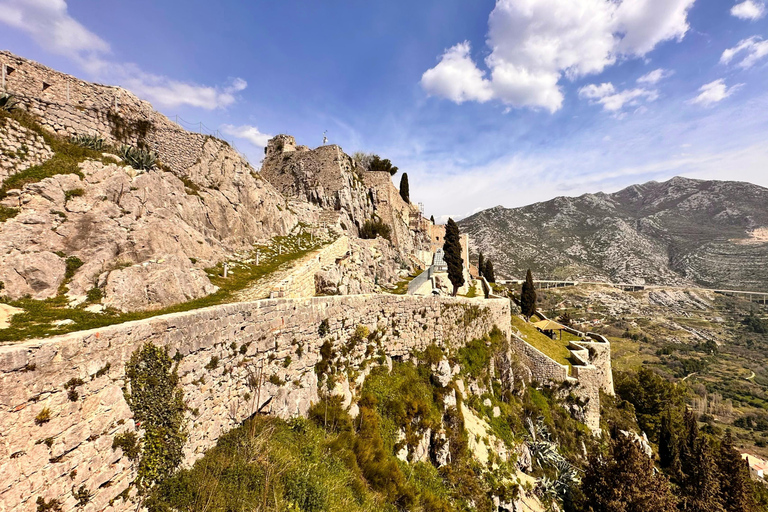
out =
column 94, row 294
column 213, row 363
column 324, row 328
column 43, row 416
column 8, row 213
column 75, row 192
column 373, row 228
column 44, row 506
column 82, row 495
column 88, row 141
column 138, row 158
column 129, row 443
column 71, row 387
column 73, row 263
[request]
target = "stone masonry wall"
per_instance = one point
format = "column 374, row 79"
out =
column 543, row 368
column 301, row 282
column 277, row 336
column 20, row 148
column 69, row 106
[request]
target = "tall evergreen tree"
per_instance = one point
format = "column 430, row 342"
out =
column 452, row 255
column 528, row 296
column 736, row 486
column 488, row 272
column 405, row 192
column 700, row 483
column 480, row 264
column 669, row 457
column 625, row 481
column 432, row 219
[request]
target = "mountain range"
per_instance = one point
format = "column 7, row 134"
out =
column 679, row 232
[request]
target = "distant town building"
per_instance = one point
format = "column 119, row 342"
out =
column 757, row 466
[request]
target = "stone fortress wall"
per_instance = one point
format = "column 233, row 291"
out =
column 590, row 369
column 38, row 460
column 20, row 148
column 69, row 106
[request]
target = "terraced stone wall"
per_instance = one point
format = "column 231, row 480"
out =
column 276, row 339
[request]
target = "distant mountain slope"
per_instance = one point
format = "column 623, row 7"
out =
column 682, row 231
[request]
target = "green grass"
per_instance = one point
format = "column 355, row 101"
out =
column 401, row 288
column 472, row 293
column 556, row 349
column 65, row 159
column 38, row 316
column 270, row 464
column 7, row 213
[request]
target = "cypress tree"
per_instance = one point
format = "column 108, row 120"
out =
column 488, row 272
column 736, row 486
column 432, row 219
column 528, row 296
column 700, row 484
column 405, row 192
column 625, row 481
column 452, row 255
column 480, row 264
column 669, row 457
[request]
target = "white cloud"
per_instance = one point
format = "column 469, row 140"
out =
column 749, row 10
column 655, row 76
column 714, row 92
column 456, row 77
column 612, row 100
column 535, row 43
column 49, row 24
column 247, row 132
column 753, row 49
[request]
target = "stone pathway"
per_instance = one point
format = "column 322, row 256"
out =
column 262, row 288
column 6, row 312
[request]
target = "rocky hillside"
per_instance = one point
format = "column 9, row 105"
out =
column 83, row 224
column 682, row 231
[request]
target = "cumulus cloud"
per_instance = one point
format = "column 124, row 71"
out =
column 749, row 50
column 532, row 49
column 748, row 10
column 247, row 132
column 612, row 100
column 457, row 78
column 655, row 76
column 714, row 92
column 50, row 25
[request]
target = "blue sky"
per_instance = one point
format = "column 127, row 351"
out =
column 481, row 102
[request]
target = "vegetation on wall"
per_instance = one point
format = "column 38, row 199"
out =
column 156, row 400
column 373, row 228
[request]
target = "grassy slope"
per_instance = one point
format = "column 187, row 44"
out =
column 556, row 349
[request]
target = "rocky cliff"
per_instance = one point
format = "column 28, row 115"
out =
column 76, row 220
column 683, row 231
column 140, row 237
column 350, row 196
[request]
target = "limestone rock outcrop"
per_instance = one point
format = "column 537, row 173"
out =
column 142, row 237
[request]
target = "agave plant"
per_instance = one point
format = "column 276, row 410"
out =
column 8, row 102
column 89, row 141
column 138, row 158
